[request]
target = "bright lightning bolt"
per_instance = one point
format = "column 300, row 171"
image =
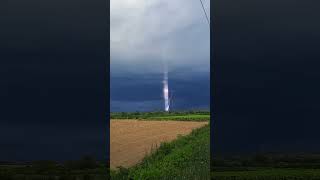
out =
column 166, row 90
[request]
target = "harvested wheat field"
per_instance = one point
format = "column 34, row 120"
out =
column 131, row 140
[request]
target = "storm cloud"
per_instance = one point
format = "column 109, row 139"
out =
column 266, row 70
column 144, row 35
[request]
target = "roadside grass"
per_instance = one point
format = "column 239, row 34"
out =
column 187, row 157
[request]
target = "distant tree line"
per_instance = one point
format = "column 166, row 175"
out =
column 86, row 168
column 139, row 115
column 274, row 160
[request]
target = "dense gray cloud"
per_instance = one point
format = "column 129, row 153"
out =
column 266, row 95
column 148, row 32
column 52, row 76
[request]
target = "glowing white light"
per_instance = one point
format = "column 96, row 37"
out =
column 166, row 91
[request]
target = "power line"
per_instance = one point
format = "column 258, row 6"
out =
column 204, row 10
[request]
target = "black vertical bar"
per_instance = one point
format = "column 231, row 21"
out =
column 108, row 80
column 212, row 87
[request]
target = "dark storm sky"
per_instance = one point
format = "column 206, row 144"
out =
column 266, row 73
column 53, row 76
column 145, row 36
column 134, row 92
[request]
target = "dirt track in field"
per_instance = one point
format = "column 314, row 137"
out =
column 131, row 140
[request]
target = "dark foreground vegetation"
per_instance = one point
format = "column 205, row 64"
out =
column 160, row 115
column 187, row 157
column 267, row 166
column 85, row 169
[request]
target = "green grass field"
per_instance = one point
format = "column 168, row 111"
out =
column 269, row 174
column 175, row 116
column 25, row 173
column 273, row 166
column 187, row 157
column 50, row 170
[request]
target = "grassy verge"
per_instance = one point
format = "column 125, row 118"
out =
column 187, row 157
